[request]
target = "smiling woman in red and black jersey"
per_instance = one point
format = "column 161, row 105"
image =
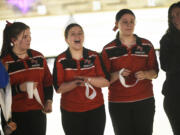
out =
column 132, row 63
column 78, row 76
column 26, row 67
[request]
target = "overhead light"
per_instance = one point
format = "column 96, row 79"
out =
column 41, row 9
column 96, row 5
column 151, row 3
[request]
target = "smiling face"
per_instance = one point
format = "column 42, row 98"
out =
column 175, row 17
column 23, row 40
column 126, row 24
column 75, row 38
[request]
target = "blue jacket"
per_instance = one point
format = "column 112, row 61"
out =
column 4, row 78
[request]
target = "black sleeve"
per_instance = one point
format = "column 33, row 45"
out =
column 15, row 89
column 169, row 54
column 55, row 76
column 104, row 68
column 48, row 93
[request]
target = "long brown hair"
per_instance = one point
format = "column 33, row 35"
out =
column 11, row 31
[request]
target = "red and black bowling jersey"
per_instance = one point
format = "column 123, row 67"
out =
column 32, row 68
column 66, row 69
column 139, row 57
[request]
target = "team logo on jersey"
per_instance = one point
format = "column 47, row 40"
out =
column 139, row 50
column 87, row 63
column 35, row 63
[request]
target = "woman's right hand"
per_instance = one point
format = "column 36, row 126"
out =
column 12, row 125
column 126, row 72
column 68, row 86
column 115, row 75
column 79, row 82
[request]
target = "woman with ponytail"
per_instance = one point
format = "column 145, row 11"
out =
column 30, row 79
column 132, row 63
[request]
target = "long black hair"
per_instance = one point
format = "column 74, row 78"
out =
column 171, row 27
column 11, row 30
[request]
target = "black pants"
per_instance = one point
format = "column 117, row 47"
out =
column 29, row 123
column 135, row 118
column 172, row 109
column 84, row 123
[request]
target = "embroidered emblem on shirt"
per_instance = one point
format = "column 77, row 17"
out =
column 35, row 63
column 87, row 63
column 139, row 50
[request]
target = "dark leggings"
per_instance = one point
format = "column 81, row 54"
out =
column 135, row 118
column 172, row 109
column 29, row 123
column 84, row 123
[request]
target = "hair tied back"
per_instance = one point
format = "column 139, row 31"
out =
column 8, row 23
column 115, row 28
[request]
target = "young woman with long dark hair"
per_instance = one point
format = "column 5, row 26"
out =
column 170, row 63
column 29, row 74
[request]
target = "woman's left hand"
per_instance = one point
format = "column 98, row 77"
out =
column 148, row 74
column 140, row 75
column 48, row 106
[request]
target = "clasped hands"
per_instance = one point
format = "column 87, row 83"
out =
column 81, row 80
column 140, row 75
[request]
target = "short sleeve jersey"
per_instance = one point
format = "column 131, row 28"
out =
column 33, row 68
column 66, row 69
column 139, row 57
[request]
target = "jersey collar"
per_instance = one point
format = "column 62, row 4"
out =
column 69, row 56
column 15, row 57
column 138, row 41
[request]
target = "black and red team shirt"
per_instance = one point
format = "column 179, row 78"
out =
column 139, row 57
column 32, row 68
column 66, row 69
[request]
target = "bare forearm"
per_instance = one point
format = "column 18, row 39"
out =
column 98, row 82
column 67, row 86
column 151, row 74
column 114, row 77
